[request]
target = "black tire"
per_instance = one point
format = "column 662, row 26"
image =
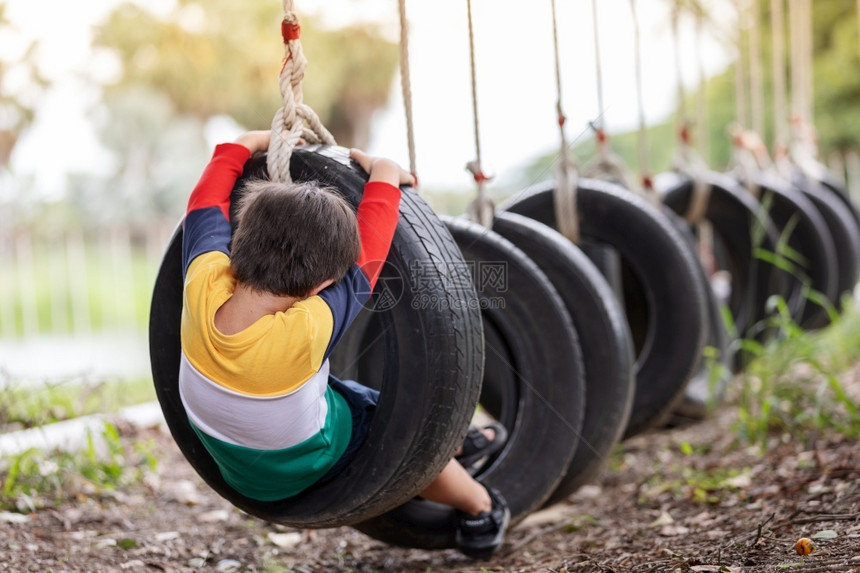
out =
column 429, row 387
column 841, row 219
column 812, row 240
column 708, row 387
column 666, row 305
column 607, row 348
column 539, row 364
column 740, row 228
column 842, row 193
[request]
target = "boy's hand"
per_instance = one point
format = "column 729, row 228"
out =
column 381, row 169
column 255, row 141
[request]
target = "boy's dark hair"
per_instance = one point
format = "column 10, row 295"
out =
column 292, row 237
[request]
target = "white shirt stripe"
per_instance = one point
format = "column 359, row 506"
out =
column 261, row 423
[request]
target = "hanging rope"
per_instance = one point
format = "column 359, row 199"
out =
column 744, row 163
column 294, row 120
column 606, row 165
column 687, row 161
column 702, row 125
column 601, row 120
column 406, row 85
column 567, row 176
column 804, row 146
column 482, row 209
column 756, row 83
column 740, row 72
column 780, row 110
column 809, row 95
column 642, row 136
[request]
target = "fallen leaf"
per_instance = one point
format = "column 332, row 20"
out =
column 285, row 540
column 740, row 481
column 227, row 565
column 673, row 530
column 167, row 536
column 826, row 534
column 10, row 517
column 213, row 516
column 663, row 519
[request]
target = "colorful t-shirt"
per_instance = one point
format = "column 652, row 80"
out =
column 259, row 399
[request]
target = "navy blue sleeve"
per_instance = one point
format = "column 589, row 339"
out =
column 204, row 230
column 346, row 299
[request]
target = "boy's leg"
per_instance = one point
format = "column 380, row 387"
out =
column 482, row 513
column 455, row 487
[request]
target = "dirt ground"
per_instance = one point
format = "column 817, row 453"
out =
column 674, row 500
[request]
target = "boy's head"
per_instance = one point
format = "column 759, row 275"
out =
column 292, row 238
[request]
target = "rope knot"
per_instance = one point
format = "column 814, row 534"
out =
column 685, row 133
column 478, row 174
column 601, row 136
column 290, row 30
column 647, row 183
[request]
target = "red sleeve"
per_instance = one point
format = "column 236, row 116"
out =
column 377, row 219
column 219, row 177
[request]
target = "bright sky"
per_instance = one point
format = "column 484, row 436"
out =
column 515, row 79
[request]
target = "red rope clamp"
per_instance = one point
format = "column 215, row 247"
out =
column 480, row 177
column 685, row 134
column 290, row 31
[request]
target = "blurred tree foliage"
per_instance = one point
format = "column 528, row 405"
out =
column 21, row 85
column 204, row 61
column 222, row 57
column 836, row 74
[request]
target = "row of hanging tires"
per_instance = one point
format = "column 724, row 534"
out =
column 573, row 347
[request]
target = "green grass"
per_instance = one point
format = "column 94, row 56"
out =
column 35, row 479
column 107, row 296
column 27, row 407
column 794, row 387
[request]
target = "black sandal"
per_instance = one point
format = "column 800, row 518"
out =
column 477, row 446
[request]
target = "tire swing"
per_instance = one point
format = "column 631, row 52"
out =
column 812, row 238
column 841, row 217
column 533, row 384
column 533, row 379
column 727, row 225
column 663, row 294
column 738, row 229
column 604, row 336
column 607, row 348
column 800, row 161
column 428, row 392
column 708, row 385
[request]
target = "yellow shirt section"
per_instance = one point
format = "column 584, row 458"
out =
column 273, row 356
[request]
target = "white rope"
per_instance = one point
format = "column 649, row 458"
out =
column 294, row 120
column 606, row 165
column 740, row 73
column 687, row 161
column 642, row 136
column 601, row 121
column 406, row 84
column 756, row 83
column 780, row 112
column 482, row 209
column 567, row 176
column 798, row 79
column 702, row 125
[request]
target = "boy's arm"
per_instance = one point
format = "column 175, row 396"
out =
column 378, row 211
column 207, row 218
column 377, row 221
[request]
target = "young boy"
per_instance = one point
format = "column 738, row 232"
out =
column 261, row 316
